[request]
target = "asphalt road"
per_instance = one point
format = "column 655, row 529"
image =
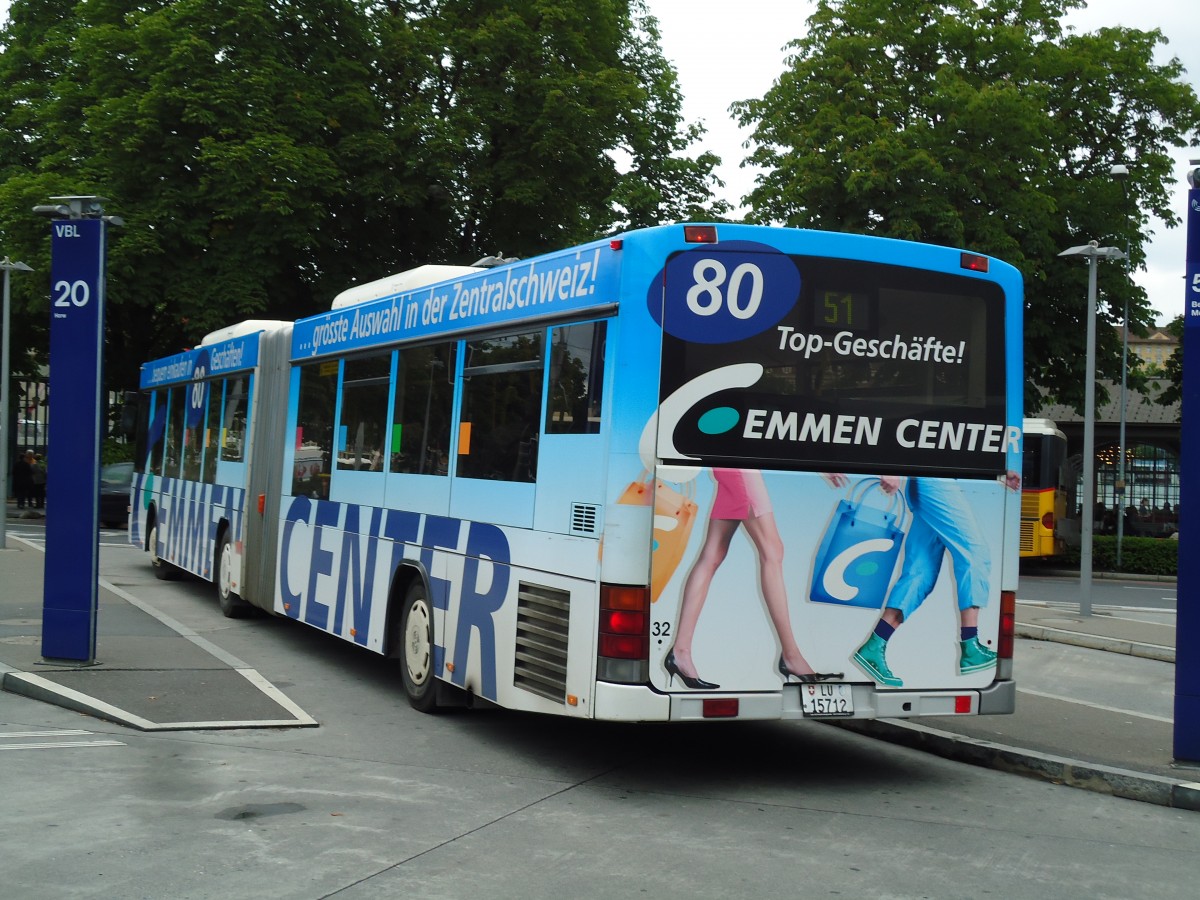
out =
column 1125, row 592
column 381, row 801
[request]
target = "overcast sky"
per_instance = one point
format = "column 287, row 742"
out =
column 727, row 50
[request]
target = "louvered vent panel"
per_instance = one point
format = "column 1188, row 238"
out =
column 543, row 615
column 585, row 519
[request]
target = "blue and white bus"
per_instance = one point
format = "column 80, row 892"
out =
column 687, row 472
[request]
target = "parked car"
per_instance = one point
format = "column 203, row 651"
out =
column 115, row 479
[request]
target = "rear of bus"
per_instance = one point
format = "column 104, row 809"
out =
column 830, row 440
column 1043, row 489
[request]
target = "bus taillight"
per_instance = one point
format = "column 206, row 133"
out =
column 700, row 234
column 974, row 262
column 1008, row 624
column 1048, row 521
column 623, row 647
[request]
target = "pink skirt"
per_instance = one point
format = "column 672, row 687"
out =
column 741, row 495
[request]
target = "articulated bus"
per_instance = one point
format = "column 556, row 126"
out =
column 1043, row 489
column 687, row 472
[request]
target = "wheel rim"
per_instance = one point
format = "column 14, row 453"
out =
column 153, row 541
column 417, row 649
column 225, row 573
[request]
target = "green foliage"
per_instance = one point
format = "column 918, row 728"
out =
column 1139, row 555
column 266, row 155
column 982, row 124
column 114, row 451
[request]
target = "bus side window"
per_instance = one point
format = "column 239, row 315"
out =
column 420, row 434
column 233, row 423
column 156, row 418
column 314, row 430
column 576, row 378
column 196, row 411
column 501, row 407
column 364, row 413
column 174, row 435
column 212, row 431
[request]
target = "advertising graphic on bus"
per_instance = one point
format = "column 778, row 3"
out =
column 687, row 472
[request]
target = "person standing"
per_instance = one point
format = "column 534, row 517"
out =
column 23, row 479
column 38, row 476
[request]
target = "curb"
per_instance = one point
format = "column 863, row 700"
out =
column 1105, row 575
column 1096, row 642
column 1056, row 769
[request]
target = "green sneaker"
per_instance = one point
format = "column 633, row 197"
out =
column 975, row 657
column 870, row 658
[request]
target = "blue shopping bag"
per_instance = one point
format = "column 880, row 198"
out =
column 857, row 555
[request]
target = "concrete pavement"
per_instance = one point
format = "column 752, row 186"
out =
column 1094, row 705
column 151, row 673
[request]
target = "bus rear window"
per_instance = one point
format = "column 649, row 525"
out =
column 873, row 368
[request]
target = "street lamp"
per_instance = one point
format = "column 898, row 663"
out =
column 1093, row 252
column 7, row 265
column 1121, row 173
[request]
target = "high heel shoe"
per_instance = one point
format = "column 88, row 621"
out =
column 810, row 678
column 696, row 684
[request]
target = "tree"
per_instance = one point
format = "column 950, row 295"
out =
column 982, row 124
column 530, row 105
column 1172, row 370
column 223, row 132
column 265, row 155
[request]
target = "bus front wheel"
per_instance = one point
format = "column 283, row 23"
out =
column 416, row 649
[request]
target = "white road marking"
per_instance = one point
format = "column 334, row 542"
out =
column 1116, row 709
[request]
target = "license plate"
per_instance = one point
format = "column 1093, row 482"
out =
column 826, row 700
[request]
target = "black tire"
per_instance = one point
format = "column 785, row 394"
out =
column 162, row 569
column 415, row 637
column 232, row 606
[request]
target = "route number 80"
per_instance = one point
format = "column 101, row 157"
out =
column 706, row 297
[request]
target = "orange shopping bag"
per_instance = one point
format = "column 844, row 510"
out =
column 674, row 516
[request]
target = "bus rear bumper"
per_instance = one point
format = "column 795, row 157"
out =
column 639, row 703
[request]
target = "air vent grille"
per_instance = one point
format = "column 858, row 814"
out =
column 543, row 616
column 585, row 519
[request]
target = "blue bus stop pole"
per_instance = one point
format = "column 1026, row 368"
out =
column 69, row 600
column 1187, row 641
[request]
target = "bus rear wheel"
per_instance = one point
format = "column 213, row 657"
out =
column 416, row 649
column 162, row 569
column 232, row 606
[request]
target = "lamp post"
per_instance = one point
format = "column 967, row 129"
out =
column 7, row 265
column 1092, row 252
column 1121, row 173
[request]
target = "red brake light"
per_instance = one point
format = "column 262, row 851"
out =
column 1008, row 624
column 700, row 234
column 624, row 622
column 619, row 621
column 974, row 262
column 1048, row 521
